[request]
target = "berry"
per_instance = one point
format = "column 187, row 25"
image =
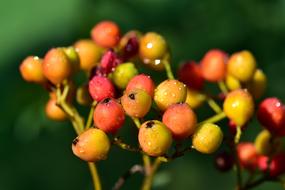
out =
column 242, row 66
column 265, row 144
column 247, row 155
column 106, row 34
column 82, row 96
column 109, row 61
column 136, row 102
column 169, row 92
column 190, row 73
column 143, row 82
column 232, row 83
column 156, row 64
column 213, row 65
column 89, row 53
column 129, row 44
column 271, row 114
column 54, row 112
column 92, row 145
column 276, row 166
column 152, row 46
column 194, row 98
column 73, row 57
column 31, row 70
column 239, row 106
column 224, row 161
column 109, row 115
column 207, row 138
column 123, row 73
column 180, row 120
column 258, row 84
column 154, row 138
column 100, row 88
column 56, row 66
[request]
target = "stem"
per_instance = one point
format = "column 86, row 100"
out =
column 90, row 116
column 95, row 176
column 212, row 103
column 255, row 183
column 213, row 119
column 238, row 134
column 117, row 141
column 137, row 122
column 149, row 177
column 223, row 87
column 237, row 167
column 168, row 69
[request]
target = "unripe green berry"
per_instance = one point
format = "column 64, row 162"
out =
column 123, row 74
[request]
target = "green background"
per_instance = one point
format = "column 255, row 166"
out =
column 35, row 153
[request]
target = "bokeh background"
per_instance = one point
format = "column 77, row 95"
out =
column 35, row 152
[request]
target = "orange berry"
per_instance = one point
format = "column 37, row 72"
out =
column 31, row 70
column 54, row 112
column 247, row 155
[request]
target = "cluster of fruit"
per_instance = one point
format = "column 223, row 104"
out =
column 114, row 88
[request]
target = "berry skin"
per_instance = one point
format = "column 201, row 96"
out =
column 194, row 99
column 224, row 161
column 207, row 138
column 232, row 83
column 31, row 70
column 82, row 96
column 247, row 155
column 276, row 166
column 152, row 46
column 100, row 88
column 109, row 61
column 109, row 115
column 154, row 138
column 73, row 57
column 265, row 144
column 242, row 66
column 258, row 84
column 54, row 112
column 169, row 92
column 239, row 106
column 123, row 74
column 213, row 65
column 106, row 34
column 92, row 145
column 56, row 66
column 89, row 54
column 180, row 120
column 136, row 102
column 190, row 74
column 143, row 82
column 271, row 114
column 129, row 44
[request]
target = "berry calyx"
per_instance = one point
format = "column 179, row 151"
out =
column 92, row 145
column 100, row 88
column 109, row 115
column 143, row 82
column 31, row 70
column 154, row 138
column 123, row 73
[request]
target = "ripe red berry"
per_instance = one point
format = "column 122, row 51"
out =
column 106, row 34
column 271, row 114
column 136, row 102
column 190, row 74
column 129, row 44
column 56, row 66
column 276, row 166
column 181, row 120
column 213, row 65
column 109, row 61
column 143, row 82
column 247, row 155
column 224, row 161
column 100, row 88
column 109, row 115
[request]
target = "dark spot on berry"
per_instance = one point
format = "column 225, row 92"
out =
column 132, row 96
column 106, row 100
column 75, row 141
column 149, row 124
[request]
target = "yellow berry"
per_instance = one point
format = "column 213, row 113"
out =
column 232, row 82
column 194, row 98
column 258, row 84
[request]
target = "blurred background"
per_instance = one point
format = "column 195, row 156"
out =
column 35, row 153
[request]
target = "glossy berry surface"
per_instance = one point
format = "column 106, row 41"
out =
column 109, row 115
column 89, row 53
column 92, row 145
column 123, row 73
column 224, row 161
column 169, row 92
column 190, row 74
column 54, row 112
column 109, row 61
column 180, row 120
column 154, row 138
column 247, row 155
column 213, row 65
column 207, row 138
column 56, row 66
column 100, row 88
column 271, row 114
column 232, row 82
column 242, row 65
column 136, row 102
column 239, row 106
column 143, row 82
column 31, row 70
column 106, row 34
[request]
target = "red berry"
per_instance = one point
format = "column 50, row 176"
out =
column 181, row 120
column 213, row 65
column 247, row 155
column 109, row 115
column 271, row 114
column 109, row 61
column 224, row 161
column 276, row 166
column 100, row 88
column 106, row 34
column 143, row 82
column 190, row 73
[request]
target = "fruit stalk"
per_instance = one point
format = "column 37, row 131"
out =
column 149, row 176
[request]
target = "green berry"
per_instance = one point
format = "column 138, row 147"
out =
column 123, row 74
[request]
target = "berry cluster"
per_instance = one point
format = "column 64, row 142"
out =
column 115, row 89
